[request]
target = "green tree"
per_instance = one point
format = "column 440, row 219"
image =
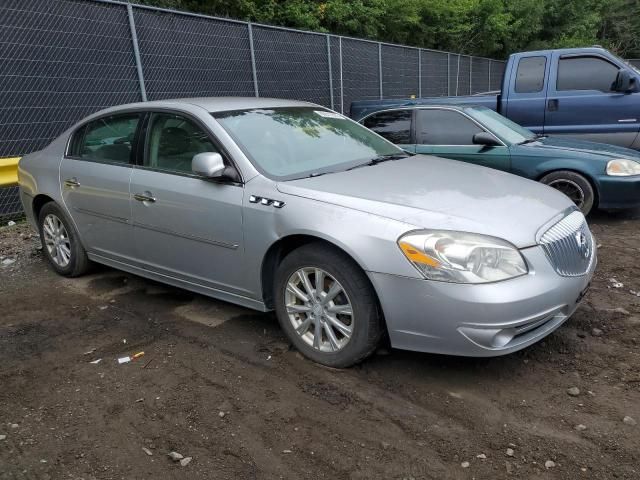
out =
column 492, row 28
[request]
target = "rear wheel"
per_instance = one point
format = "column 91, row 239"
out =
column 574, row 186
column 327, row 306
column 60, row 242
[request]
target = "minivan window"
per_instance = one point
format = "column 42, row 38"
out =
column 294, row 142
column 586, row 73
column 530, row 74
column 445, row 127
column 173, row 140
column 108, row 139
column 395, row 125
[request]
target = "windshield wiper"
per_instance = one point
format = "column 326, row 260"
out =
column 531, row 140
column 373, row 161
column 382, row 158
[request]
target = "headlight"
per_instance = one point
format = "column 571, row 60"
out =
column 623, row 168
column 462, row 257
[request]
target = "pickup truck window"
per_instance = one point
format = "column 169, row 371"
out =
column 530, row 74
column 445, row 127
column 585, row 73
column 394, row 126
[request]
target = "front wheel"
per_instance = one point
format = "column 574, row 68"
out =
column 574, row 186
column 326, row 306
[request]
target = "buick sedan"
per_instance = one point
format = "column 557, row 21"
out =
column 288, row 206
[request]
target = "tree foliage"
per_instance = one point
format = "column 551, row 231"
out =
column 491, row 28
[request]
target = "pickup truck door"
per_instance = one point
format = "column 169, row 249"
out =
column 580, row 102
column 525, row 91
column 449, row 133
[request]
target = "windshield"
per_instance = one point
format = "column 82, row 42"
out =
column 503, row 128
column 626, row 62
column 294, row 142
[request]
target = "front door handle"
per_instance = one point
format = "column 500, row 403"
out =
column 72, row 182
column 552, row 105
column 144, row 197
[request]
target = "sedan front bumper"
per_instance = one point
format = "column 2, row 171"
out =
column 618, row 192
column 479, row 320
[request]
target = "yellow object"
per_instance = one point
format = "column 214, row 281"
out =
column 9, row 171
column 418, row 257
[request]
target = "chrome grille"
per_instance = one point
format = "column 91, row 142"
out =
column 569, row 245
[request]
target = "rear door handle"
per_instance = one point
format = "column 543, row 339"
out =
column 552, row 105
column 72, row 182
column 144, row 197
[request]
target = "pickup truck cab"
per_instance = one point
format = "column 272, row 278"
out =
column 586, row 93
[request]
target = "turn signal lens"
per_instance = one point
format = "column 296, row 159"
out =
column 623, row 168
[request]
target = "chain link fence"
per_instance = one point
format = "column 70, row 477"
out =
column 64, row 59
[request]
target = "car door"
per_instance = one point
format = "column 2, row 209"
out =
column 526, row 94
column 94, row 176
column 394, row 125
column 449, row 133
column 581, row 103
column 185, row 226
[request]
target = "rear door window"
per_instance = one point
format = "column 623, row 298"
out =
column 108, row 139
column 445, row 127
column 586, row 73
column 530, row 74
column 394, row 125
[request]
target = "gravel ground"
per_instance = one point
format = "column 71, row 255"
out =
column 219, row 384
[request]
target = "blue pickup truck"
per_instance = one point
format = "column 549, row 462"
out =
column 587, row 93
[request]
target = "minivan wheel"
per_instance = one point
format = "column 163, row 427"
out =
column 574, row 186
column 60, row 242
column 327, row 306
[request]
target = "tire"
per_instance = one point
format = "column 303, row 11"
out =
column 575, row 186
column 340, row 273
column 51, row 217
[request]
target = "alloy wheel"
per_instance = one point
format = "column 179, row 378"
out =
column 571, row 189
column 319, row 309
column 56, row 239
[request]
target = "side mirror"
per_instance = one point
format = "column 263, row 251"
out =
column 486, row 139
column 625, row 82
column 208, row 164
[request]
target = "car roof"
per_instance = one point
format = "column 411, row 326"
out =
column 564, row 51
column 217, row 104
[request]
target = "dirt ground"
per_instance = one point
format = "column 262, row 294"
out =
column 220, row 384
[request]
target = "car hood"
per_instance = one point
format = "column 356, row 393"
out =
column 583, row 147
column 436, row 193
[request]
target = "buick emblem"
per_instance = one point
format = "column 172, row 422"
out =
column 583, row 245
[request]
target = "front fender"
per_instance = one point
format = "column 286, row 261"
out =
column 369, row 239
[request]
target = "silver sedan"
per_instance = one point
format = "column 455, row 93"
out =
column 288, row 206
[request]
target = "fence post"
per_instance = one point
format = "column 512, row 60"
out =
column 490, row 76
column 341, row 84
column 448, row 74
column 330, row 70
column 136, row 52
column 470, row 75
column 380, row 67
column 458, row 75
column 419, row 73
column 253, row 61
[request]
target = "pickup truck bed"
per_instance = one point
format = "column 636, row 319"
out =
column 365, row 107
